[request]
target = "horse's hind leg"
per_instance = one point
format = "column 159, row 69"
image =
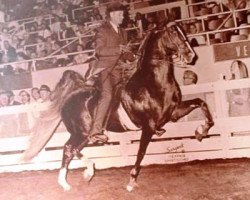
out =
column 68, row 154
column 146, row 136
column 72, row 148
column 90, row 170
column 186, row 107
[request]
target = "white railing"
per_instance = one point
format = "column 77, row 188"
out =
column 229, row 138
column 31, row 63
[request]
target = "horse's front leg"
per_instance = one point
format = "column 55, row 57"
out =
column 186, row 107
column 146, row 136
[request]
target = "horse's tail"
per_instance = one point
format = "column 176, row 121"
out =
column 50, row 119
column 43, row 130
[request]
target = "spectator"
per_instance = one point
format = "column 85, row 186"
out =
column 66, row 32
column 238, row 99
column 12, row 101
column 40, row 45
column 15, row 42
column 11, row 52
column 49, row 47
column 238, row 70
column 57, row 46
column 2, row 18
column 55, row 26
column 33, row 27
column 42, row 53
column 24, row 97
column 27, row 40
column 33, row 55
column 20, row 32
column 83, row 17
column 8, row 70
column 141, row 22
column 58, row 9
column 189, row 78
column 63, row 59
column 22, row 66
column 4, row 99
column 96, row 15
column 5, row 36
column 45, row 31
column 81, row 57
column 35, row 94
column 44, row 92
column 195, row 40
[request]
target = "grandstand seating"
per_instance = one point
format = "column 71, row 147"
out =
column 215, row 24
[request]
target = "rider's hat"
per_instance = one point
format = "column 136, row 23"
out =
column 115, row 6
column 44, row 88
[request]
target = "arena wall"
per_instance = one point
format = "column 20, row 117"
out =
column 229, row 138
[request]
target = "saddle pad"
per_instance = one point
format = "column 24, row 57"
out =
column 125, row 119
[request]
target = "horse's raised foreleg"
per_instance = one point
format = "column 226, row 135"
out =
column 186, row 107
column 146, row 136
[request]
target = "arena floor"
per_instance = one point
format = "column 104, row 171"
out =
column 199, row 180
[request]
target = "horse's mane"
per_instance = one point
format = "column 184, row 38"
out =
column 142, row 48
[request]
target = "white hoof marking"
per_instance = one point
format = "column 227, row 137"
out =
column 62, row 180
column 130, row 188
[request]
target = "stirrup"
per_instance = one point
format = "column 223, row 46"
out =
column 98, row 138
column 160, row 132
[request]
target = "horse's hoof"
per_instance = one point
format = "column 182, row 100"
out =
column 130, row 188
column 200, row 132
column 160, row 132
column 132, row 183
column 66, row 187
column 198, row 136
column 87, row 175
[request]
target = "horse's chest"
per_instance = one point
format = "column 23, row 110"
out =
column 153, row 102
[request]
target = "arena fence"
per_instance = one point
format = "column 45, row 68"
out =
column 229, row 138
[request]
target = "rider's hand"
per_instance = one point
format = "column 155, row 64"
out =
column 128, row 56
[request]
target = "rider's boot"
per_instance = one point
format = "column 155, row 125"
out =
column 98, row 138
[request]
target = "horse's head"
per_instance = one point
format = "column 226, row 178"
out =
column 171, row 41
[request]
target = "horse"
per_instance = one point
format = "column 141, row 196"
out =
column 151, row 98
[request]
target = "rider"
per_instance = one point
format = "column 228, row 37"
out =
column 109, row 46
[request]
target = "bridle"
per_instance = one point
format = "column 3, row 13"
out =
column 178, row 59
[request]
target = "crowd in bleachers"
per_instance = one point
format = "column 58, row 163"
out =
column 207, row 18
column 52, row 32
column 57, row 34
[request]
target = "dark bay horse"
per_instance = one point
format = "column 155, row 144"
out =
column 151, row 98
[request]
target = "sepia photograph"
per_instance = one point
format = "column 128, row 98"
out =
column 124, row 99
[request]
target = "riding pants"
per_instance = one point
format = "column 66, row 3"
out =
column 109, row 79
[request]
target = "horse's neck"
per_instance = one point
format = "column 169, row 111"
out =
column 154, row 64
column 156, row 71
